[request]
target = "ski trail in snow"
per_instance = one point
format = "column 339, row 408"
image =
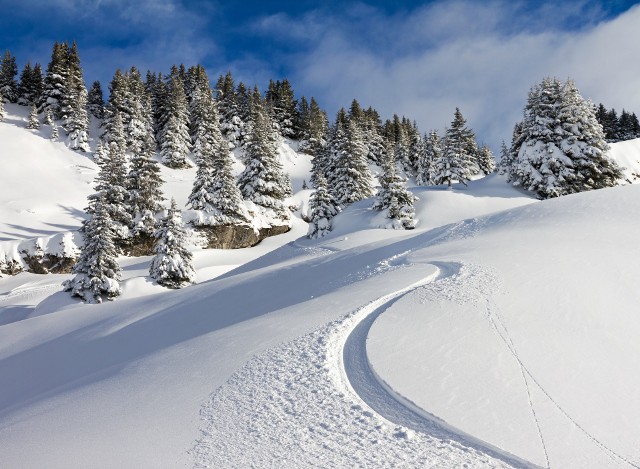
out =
column 293, row 406
column 506, row 338
column 524, row 376
column 386, row 402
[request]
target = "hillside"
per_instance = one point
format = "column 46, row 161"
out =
column 501, row 332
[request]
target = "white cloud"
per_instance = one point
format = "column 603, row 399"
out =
column 458, row 54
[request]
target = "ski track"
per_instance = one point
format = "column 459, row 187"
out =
column 307, row 403
column 495, row 319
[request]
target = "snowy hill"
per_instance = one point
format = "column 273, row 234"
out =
column 500, row 333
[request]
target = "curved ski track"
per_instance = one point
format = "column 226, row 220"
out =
column 386, row 402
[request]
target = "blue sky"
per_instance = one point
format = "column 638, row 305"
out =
column 420, row 59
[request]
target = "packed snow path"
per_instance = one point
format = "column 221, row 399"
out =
column 297, row 406
column 388, row 404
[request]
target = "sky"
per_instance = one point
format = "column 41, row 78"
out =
column 417, row 59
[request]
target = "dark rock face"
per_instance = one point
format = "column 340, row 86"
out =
column 237, row 236
column 44, row 264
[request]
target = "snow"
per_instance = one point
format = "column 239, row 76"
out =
column 501, row 332
column 627, row 155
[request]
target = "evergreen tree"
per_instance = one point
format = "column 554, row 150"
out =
column 8, row 72
column 144, row 184
column 34, row 122
column 394, row 196
column 77, row 123
column 231, row 124
column 174, row 138
column 263, row 181
column 375, row 141
column 314, row 129
column 283, row 107
column 1, row 107
column 456, row 164
column 97, row 271
column 322, row 209
column 48, row 117
column 31, row 85
column 54, row 132
column 504, row 167
column 564, row 148
column 214, row 190
column 486, row 161
column 54, row 82
column 431, row 153
column 111, row 187
column 96, row 100
column 171, row 265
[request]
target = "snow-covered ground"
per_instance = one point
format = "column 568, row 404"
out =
column 502, row 332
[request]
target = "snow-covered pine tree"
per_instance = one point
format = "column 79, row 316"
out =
column 1, row 107
column 77, row 123
column 313, row 138
column 24, row 87
column 48, row 117
column 95, row 102
column 144, row 184
column 54, row 81
column 231, row 123
column 215, row 191
column 8, row 72
column 394, row 196
column 139, row 127
column 283, row 107
column 263, row 182
column 429, row 156
column 352, row 181
column 486, row 161
column 34, row 122
column 456, row 162
column 373, row 136
column 171, row 264
column 322, row 209
column 563, row 148
column 54, row 132
column 111, row 183
column 97, row 271
column 175, row 141
column 504, row 165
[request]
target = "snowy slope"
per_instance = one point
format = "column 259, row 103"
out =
column 627, row 155
column 499, row 333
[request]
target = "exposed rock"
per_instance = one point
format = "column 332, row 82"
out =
column 237, row 236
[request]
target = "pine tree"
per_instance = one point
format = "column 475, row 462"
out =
column 563, row 148
column 34, row 122
column 504, row 166
column 394, row 196
column 430, row 155
column 77, row 124
column 171, row 265
column 214, row 190
column 350, row 177
column 231, row 124
column 174, row 138
column 8, row 72
column 283, row 107
column 456, row 163
column 1, row 107
column 31, row 85
column 322, row 209
column 96, row 100
column 263, row 181
column 144, row 184
column 48, row 117
column 486, row 161
column 314, row 129
column 54, row 132
column 111, row 187
column 97, row 271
